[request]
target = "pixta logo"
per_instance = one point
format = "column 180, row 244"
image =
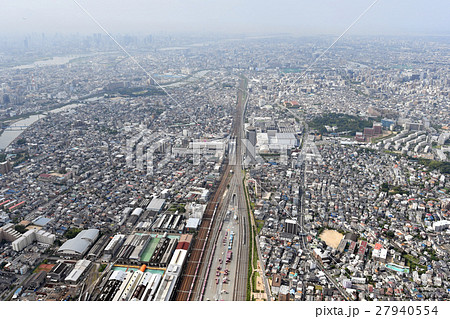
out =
column 148, row 150
column 141, row 148
column 309, row 152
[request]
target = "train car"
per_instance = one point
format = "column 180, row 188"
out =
column 229, row 255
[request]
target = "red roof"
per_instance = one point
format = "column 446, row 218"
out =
column 362, row 248
column 17, row 205
column 183, row 245
column 6, row 201
column 352, row 246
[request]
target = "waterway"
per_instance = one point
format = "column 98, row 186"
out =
column 195, row 77
column 7, row 137
column 59, row 60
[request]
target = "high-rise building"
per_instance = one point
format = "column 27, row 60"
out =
column 5, row 167
column 377, row 128
column 368, row 132
column 291, row 226
column 31, row 236
column 250, row 150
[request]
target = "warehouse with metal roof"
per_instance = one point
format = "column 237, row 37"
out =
column 78, row 246
column 156, row 205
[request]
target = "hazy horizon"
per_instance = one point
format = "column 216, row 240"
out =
column 326, row 17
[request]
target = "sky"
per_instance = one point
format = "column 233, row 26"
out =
column 298, row 17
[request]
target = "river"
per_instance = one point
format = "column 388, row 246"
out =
column 8, row 136
column 59, row 60
column 196, row 76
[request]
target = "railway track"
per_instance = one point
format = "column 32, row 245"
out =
column 195, row 275
column 222, row 211
column 188, row 280
column 240, row 283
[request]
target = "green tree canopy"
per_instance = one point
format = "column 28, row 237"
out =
column 71, row 233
